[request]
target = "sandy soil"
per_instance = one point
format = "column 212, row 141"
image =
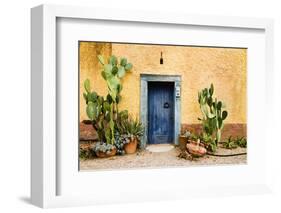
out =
column 164, row 159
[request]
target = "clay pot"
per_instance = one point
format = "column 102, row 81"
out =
column 131, row 147
column 182, row 142
column 106, row 155
column 195, row 149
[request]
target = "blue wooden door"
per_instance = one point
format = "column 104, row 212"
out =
column 160, row 112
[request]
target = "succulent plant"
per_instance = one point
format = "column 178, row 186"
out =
column 103, row 147
column 127, row 129
column 112, row 72
column 230, row 144
column 120, row 141
column 213, row 113
column 131, row 128
column 234, row 143
column 242, row 142
column 103, row 112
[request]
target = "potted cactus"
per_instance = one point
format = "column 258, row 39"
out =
column 183, row 139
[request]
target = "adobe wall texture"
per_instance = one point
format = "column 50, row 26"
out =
column 87, row 132
column 198, row 67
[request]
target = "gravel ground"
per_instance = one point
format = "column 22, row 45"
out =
column 146, row 159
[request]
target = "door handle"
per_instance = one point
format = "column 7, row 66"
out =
column 166, row 105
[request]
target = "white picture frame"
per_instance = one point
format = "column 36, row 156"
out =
column 45, row 152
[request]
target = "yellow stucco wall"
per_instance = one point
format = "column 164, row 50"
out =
column 90, row 68
column 198, row 67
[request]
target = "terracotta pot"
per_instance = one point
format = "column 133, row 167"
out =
column 195, row 143
column 105, row 155
column 195, row 149
column 131, row 147
column 182, row 142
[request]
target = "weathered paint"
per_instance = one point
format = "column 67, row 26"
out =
column 161, row 112
column 145, row 79
column 197, row 66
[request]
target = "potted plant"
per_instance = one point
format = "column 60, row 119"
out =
column 183, row 139
column 103, row 150
column 196, row 149
column 131, row 131
column 131, row 146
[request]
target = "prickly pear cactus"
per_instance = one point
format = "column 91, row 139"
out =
column 213, row 113
column 112, row 72
column 103, row 112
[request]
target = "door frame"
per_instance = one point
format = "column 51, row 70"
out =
column 144, row 79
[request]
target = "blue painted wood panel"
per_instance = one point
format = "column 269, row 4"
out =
column 160, row 112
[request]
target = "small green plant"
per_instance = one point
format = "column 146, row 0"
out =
column 230, row 144
column 131, row 128
column 213, row 116
column 242, row 142
column 234, row 143
column 85, row 153
column 208, row 142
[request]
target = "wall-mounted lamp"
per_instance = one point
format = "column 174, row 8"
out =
column 161, row 58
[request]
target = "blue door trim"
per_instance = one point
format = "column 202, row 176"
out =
column 145, row 78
